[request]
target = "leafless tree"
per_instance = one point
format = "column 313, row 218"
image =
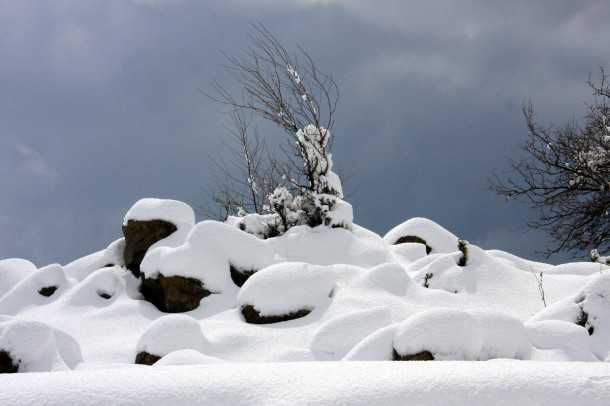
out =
column 246, row 175
column 566, row 176
column 289, row 91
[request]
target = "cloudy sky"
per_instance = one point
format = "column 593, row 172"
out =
column 99, row 106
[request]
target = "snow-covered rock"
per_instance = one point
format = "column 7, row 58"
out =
column 152, row 223
column 435, row 237
column 13, row 270
column 168, row 334
column 35, row 347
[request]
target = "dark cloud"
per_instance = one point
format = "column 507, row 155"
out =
column 100, row 106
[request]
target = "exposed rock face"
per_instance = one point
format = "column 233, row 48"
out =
column 414, row 239
column 239, row 276
column 145, row 358
column 420, row 356
column 7, row 366
column 252, row 316
column 139, row 236
column 173, row 294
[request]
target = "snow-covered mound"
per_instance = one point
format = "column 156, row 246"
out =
column 310, row 294
column 423, row 231
column 168, row 334
column 29, row 346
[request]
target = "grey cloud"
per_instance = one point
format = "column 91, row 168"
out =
column 104, row 96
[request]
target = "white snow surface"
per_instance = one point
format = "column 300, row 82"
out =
column 505, row 383
column 367, row 298
column 173, row 211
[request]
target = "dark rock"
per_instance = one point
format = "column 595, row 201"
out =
column 583, row 320
column 173, row 294
column 145, row 358
column 7, row 365
column 252, row 316
column 104, row 295
column 414, row 239
column 139, row 236
column 47, row 291
column 239, row 276
column 420, row 356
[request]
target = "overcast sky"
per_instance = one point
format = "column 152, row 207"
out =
column 99, row 106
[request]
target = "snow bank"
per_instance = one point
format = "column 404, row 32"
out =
column 209, row 250
column 40, row 287
column 436, row 237
column 171, row 333
column 83, row 267
column 98, row 289
column 186, row 357
column 320, row 383
column 36, row 347
column 12, row 271
column 447, row 334
column 289, row 287
column 334, row 338
column 589, row 309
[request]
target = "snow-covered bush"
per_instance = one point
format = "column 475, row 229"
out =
column 595, row 257
column 319, row 202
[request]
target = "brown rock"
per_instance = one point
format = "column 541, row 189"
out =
column 252, row 316
column 145, row 358
column 139, row 236
column 239, row 277
column 414, row 239
column 420, row 356
column 173, row 294
column 7, row 365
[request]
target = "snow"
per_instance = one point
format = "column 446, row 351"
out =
column 505, row 383
column 186, row 357
column 337, row 336
column 439, row 239
column 171, row 333
column 367, row 298
column 448, row 334
column 173, row 211
column 12, row 270
column 36, row 347
column 289, row 287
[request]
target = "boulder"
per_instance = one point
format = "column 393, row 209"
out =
column 139, row 236
column 173, row 294
column 420, row 356
column 144, row 358
column 7, row 365
column 414, row 239
column 240, row 276
column 253, row 316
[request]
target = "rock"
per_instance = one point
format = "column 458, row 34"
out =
column 252, row 316
column 414, row 239
column 139, row 236
column 420, row 356
column 145, row 358
column 47, row 291
column 238, row 276
column 173, row 294
column 7, row 365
